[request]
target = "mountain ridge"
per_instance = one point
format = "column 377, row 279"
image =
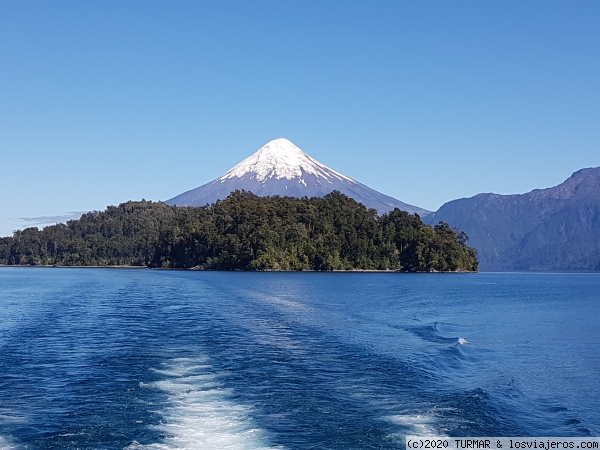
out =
column 555, row 228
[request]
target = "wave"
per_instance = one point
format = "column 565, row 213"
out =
column 200, row 412
column 432, row 333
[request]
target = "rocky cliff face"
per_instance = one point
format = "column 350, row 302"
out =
column 546, row 229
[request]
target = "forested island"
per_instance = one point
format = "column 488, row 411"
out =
column 246, row 232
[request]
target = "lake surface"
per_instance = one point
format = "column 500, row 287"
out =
column 141, row 359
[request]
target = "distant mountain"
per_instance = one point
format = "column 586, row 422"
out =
column 546, row 229
column 281, row 168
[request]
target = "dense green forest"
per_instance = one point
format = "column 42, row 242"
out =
column 246, row 232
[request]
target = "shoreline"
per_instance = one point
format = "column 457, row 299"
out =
column 52, row 266
column 192, row 269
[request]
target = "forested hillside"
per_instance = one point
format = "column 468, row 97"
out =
column 246, row 232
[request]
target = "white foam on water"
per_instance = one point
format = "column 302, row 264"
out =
column 201, row 413
column 10, row 416
column 417, row 424
column 6, row 445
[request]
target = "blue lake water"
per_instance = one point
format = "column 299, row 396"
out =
column 141, row 359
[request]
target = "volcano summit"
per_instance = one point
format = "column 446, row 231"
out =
column 281, row 168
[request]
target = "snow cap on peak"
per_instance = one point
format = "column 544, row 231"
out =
column 280, row 143
column 278, row 159
column 280, row 146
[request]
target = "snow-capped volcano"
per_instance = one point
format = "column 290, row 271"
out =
column 281, row 168
column 279, row 159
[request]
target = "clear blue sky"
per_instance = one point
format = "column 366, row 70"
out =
column 106, row 101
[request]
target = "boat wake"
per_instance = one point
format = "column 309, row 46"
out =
column 200, row 412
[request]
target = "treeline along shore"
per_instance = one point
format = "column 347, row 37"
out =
column 246, row 232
